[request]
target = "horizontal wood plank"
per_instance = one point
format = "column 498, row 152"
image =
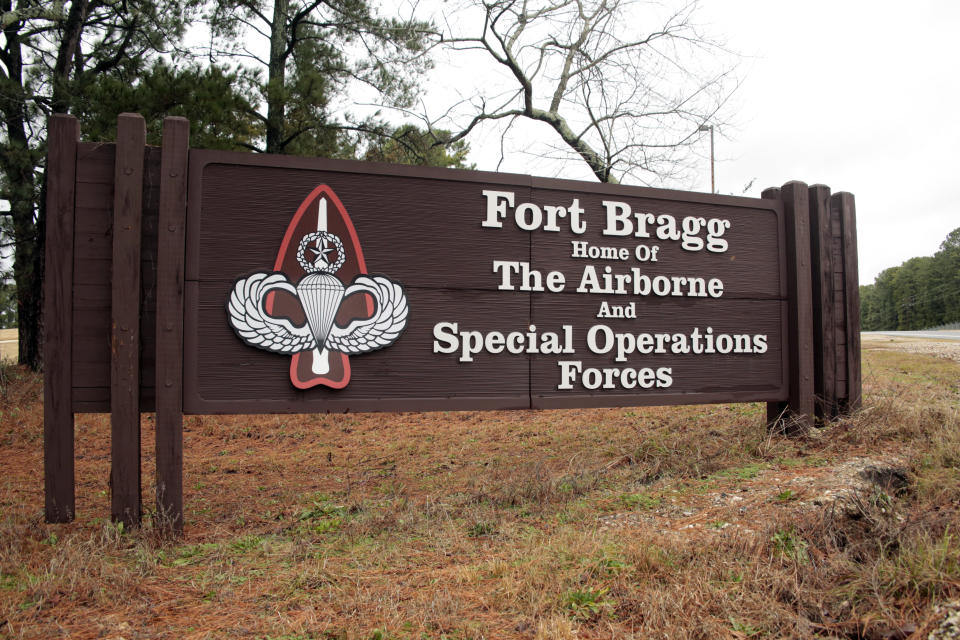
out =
column 752, row 326
column 93, row 270
column 748, row 269
column 448, row 238
column 221, row 370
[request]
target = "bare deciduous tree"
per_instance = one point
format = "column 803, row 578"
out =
column 625, row 98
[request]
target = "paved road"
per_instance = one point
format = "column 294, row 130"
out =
column 948, row 334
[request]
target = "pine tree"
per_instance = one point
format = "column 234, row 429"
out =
column 51, row 53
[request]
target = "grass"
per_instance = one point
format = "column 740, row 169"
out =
column 787, row 495
column 789, row 545
column 680, row 522
column 641, row 501
column 588, row 604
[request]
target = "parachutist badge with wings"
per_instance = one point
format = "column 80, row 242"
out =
column 252, row 308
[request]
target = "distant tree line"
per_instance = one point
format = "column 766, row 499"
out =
column 922, row 292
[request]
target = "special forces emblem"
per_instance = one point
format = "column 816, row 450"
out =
column 318, row 320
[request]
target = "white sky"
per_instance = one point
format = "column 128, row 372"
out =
column 861, row 96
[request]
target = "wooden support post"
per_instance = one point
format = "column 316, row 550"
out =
column 775, row 410
column 844, row 204
column 798, row 415
column 125, row 341
column 824, row 341
column 170, row 269
column 63, row 133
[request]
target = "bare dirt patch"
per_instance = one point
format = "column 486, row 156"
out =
column 729, row 501
column 927, row 346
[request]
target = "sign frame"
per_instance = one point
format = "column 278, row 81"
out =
column 121, row 308
column 417, row 399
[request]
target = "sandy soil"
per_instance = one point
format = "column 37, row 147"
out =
column 939, row 348
column 8, row 344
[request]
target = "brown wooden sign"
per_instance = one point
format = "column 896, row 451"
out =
column 195, row 281
column 520, row 292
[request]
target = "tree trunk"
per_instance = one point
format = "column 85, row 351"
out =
column 28, row 275
column 600, row 168
column 276, row 79
column 72, row 29
column 27, row 268
column 27, row 258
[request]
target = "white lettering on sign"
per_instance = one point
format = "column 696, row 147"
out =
column 602, row 340
column 527, row 279
column 572, row 371
column 621, row 221
column 622, row 346
column 518, row 275
column 582, row 249
column 585, row 250
column 633, row 282
column 448, row 338
column 529, row 216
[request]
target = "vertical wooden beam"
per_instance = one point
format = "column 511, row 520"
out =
column 824, row 342
column 845, row 205
column 839, row 329
column 796, row 206
column 63, row 133
column 170, row 269
column 125, row 344
column 775, row 410
column 800, row 411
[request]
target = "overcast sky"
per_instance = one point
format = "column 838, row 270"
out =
column 861, row 96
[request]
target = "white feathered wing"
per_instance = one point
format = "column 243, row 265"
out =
column 380, row 330
column 250, row 321
column 249, row 318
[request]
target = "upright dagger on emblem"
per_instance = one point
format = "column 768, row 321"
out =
column 319, row 294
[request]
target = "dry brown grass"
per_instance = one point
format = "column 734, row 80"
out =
column 500, row 525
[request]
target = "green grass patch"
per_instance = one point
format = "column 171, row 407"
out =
column 481, row 529
column 193, row 554
column 640, row 501
column 588, row 604
column 8, row 582
column 321, row 517
column 787, row 495
column 789, row 545
column 246, row 544
column 744, row 628
column 746, row 472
